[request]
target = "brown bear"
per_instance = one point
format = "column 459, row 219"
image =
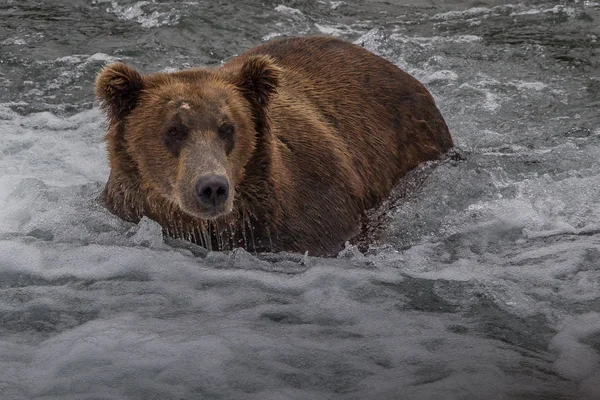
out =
column 282, row 148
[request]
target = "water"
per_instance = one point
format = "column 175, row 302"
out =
column 485, row 281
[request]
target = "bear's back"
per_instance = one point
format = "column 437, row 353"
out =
column 384, row 118
column 348, row 124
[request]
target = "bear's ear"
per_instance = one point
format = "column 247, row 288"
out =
column 118, row 87
column 258, row 79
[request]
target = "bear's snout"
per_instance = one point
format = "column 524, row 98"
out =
column 212, row 190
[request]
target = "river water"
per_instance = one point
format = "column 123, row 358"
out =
column 485, row 280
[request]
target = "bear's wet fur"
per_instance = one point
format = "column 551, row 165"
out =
column 282, row 148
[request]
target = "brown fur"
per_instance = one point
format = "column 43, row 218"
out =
column 323, row 131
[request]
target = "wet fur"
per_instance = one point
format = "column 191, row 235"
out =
column 335, row 127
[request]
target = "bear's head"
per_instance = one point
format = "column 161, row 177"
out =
column 189, row 135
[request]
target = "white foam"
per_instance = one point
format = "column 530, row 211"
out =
column 14, row 41
column 466, row 14
column 536, row 86
column 429, row 41
column 175, row 325
column 73, row 59
column 337, row 4
column 270, row 36
column 329, row 30
column 58, row 151
column 443, row 75
column 532, row 11
column 137, row 12
column 558, row 9
column 289, row 11
column 101, row 57
column 491, row 102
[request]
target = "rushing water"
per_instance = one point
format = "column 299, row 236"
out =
column 485, row 283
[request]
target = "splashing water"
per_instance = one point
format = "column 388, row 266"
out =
column 484, row 281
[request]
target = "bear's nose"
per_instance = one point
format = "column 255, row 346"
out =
column 212, row 189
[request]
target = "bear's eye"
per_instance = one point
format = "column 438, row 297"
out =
column 226, row 130
column 176, row 132
column 174, row 138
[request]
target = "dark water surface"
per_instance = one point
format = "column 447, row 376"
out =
column 485, row 283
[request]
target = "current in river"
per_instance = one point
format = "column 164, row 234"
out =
column 485, row 280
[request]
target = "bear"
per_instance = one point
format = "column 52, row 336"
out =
column 281, row 148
